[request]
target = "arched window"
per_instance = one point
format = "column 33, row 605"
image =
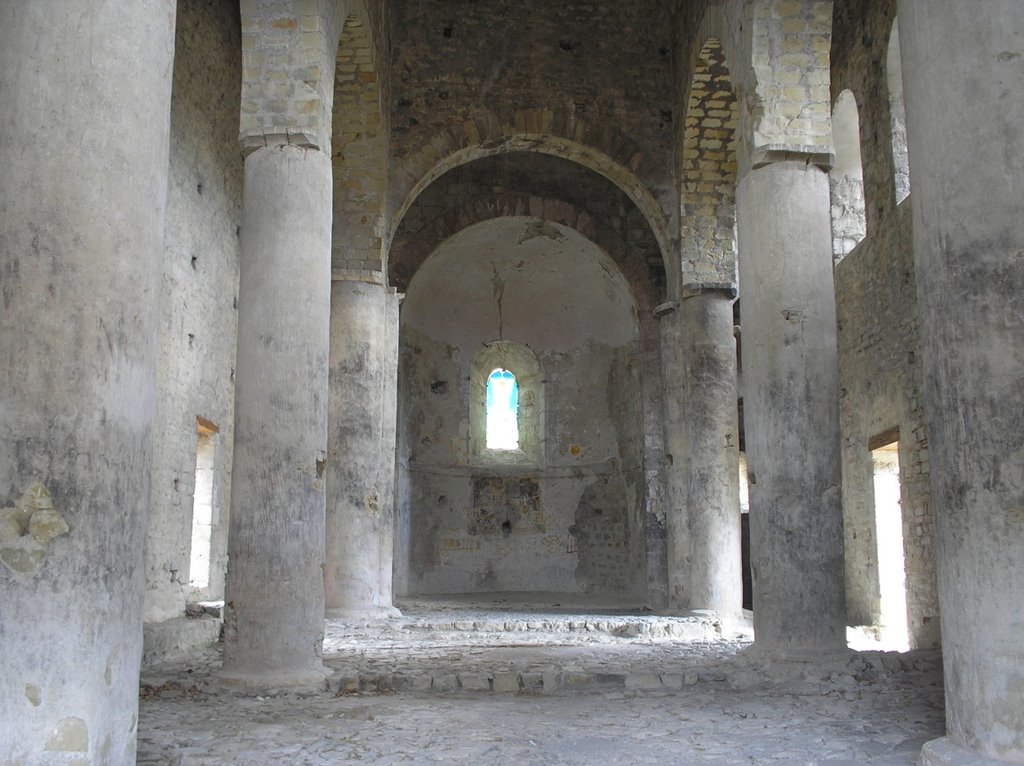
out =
column 502, row 410
column 506, row 406
column 898, row 116
column 849, row 218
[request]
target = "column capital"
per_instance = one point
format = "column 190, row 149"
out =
column 769, row 154
column 251, row 140
column 369, row 276
column 722, row 289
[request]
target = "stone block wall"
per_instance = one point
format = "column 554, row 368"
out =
column 195, row 374
column 288, row 55
column 465, row 76
column 359, row 153
column 790, row 55
column 708, row 173
column 879, row 337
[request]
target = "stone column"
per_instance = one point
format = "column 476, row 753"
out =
column 712, row 443
column 389, row 440
column 677, row 523
column 360, row 465
column 967, row 184
column 791, row 407
column 275, row 591
column 84, row 132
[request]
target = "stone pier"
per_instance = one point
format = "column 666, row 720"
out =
column 275, row 592
column 791, row 409
column 677, row 526
column 701, row 434
column 967, row 176
column 82, row 206
column 712, row 443
column 361, row 454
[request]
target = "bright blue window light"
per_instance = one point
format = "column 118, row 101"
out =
column 502, row 410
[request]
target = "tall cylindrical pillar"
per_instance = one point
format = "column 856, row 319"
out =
column 358, row 508
column 967, row 183
column 791, row 407
column 677, row 524
column 389, row 438
column 712, row 443
column 84, row 131
column 275, row 592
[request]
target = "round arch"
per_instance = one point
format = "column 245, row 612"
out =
column 625, row 179
column 416, row 249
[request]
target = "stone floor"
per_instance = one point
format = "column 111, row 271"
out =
column 501, row 682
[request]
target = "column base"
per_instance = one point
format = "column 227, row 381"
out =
column 362, row 614
column 943, row 752
column 273, row 679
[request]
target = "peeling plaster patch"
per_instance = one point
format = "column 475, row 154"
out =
column 26, row 528
column 319, row 470
column 541, row 228
column 795, row 316
column 71, row 735
column 32, row 694
column 506, row 504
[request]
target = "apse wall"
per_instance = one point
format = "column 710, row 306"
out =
column 564, row 513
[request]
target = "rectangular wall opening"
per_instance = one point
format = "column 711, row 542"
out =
column 892, row 573
column 748, row 579
column 202, row 504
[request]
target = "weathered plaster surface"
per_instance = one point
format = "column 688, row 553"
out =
column 198, row 301
column 83, row 144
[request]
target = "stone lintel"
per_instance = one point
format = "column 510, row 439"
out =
column 693, row 289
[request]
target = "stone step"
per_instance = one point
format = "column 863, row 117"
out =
column 678, row 628
column 514, row 682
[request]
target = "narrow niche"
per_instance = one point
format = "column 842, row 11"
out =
column 892, row 575
column 202, row 504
